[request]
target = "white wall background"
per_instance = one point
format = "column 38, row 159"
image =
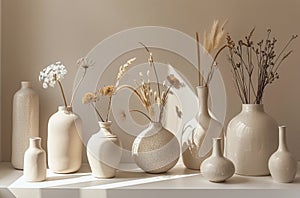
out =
column 36, row 33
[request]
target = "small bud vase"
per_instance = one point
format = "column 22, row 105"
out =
column 156, row 150
column 64, row 142
column 282, row 165
column 104, row 152
column 217, row 168
column 35, row 161
column 25, row 122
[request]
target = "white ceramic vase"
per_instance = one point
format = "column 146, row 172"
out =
column 251, row 139
column 195, row 147
column 156, row 150
column 25, row 122
column 35, row 161
column 217, row 168
column 282, row 165
column 104, row 152
column 64, row 142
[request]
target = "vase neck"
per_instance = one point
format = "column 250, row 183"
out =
column 217, row 151
column 282, row 139
column 202, row 92
column 35, row 142
column 26, row 84
column 64, row 108
column 105, row 128
column 253, row 107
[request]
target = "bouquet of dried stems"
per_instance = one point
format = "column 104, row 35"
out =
column 259, row 60
column 55, row 73
column 152, row 95
column 211, row 44
column 91, row 98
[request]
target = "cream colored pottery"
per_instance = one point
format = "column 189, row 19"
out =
column 195, row 131
column 25, row 122
column 64, row 142
column 104, row 152
column 217, row 168
column 35, row 161
column 252, row 137
column 283, row 167
column 156, row 150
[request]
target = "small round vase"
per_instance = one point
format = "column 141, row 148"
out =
column 156, row 150
column 64, row 142
column 196, row 146
column 25, row 122
column 217, row 168
column 282, row 165
column 35, row 161
column 251, row 139
column 104, row 152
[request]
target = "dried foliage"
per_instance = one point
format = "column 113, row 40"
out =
column 259, row 60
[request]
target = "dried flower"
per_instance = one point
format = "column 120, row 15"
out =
column 174, row 81
column 89, row 97
column 107, row 90
column 51, row 74
column 85, row 63
column 123, row 68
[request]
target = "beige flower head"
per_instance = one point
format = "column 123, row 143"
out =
column 107, row 90
column 174, row 81
column 89, row 97
column 215, row 37
column 85, row 63
column 123, row 68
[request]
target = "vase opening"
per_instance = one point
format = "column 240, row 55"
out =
column 35, row 142
column 26, row 84
column 252, row 107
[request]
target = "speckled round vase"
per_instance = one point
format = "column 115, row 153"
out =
column 282, row 165
column 104, row 152
column 251, row 138
column 196, row 146
column 217, row 168
column 156, row 150
column 35, row 161
column 64, row 142
column 25, row 122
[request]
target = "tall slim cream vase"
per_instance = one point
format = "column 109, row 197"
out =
column 25, row 123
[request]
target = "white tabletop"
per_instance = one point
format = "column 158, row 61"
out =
column 178, row 182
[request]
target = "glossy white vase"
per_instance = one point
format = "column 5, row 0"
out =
column 251, row 139
column 217, row 168
column 64, row 142
column 283, row 167
column 35, row 161
column 104, row 152
column 156, row 150
column 25, row 122
column 195, row 147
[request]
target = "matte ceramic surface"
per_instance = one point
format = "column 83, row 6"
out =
column 282, row 165
column 25, row 122
column 64, row 142
column 217, row 168
column 197, row 134
column 252, row 137
column 35, row 161
column 104, row 152
column 156, row 150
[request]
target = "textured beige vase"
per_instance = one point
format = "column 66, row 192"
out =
column 252, row 137
column 104, row 152
column 217, row 168
column 156, row 150
column 35, row 161
column 25, row 122
column 64, row 142
column 195, row 131
column 283, row 167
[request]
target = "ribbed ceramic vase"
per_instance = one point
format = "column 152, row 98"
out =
column 283, row 167
column 25, row 122
column 64, row 142
column 217, row 168
column 195, row 147
column 104, row 152
column 156, row 150
column 35, row 164
column 251, row 139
